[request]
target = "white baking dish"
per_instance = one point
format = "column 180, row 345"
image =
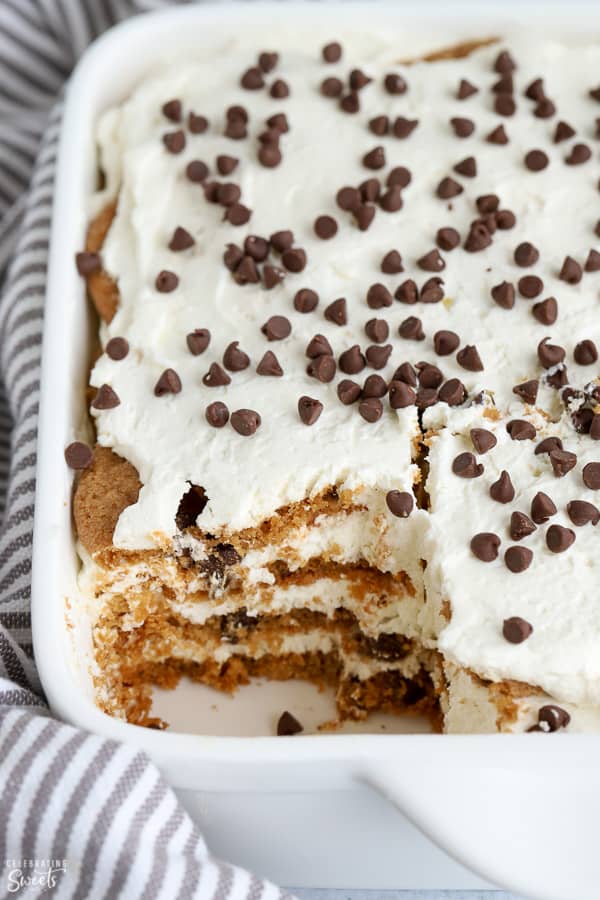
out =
column 520, row 810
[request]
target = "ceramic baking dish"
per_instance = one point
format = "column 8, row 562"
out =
column 520, row 810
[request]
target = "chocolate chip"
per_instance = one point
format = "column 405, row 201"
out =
column 105, row 398
column 228, row 194
column 87, row 263
column 581, row 512
column 348, row 199
column 391, row 200
column 237, row 214
column 517, row 559
column 536, row 160
column 378, row 356
column 426, row 397
column 526, row 254
column 364, row 214
column 236, row 129
column 198, row 340
column 545, row 109
column 172, row 110
column 502, row 490
column 168, row 383
column 348, row 391
column 272, row 276
column 352, row 360
column 216, row 376
column 530, row 286
column 197, row 124
column 276, row 328
column 287, row 724
column 563, row 132
column 400, row 503
column 580, row 153
column 196, row 171
column 332, row 52
column 505, row 219
column 336, row 312
column 246, row 271
column 483, row 440
column 447, row 238
column 431, row 262
column 322, row 368
column 453, row 392
column 166, row 281
column 550, row 354
column 504, row 85
column 256, row 247
column 406, row 373
column 504, row 295
column 268, row 61
column 279, row 89
column 592, row 263
column 591, row 476
column 445, row 342
column 374, row 386
column 401, row 395
column 378, row 296
column 391, row 263
column 269, row 365
column 559, row 538
column 117, row 348
column 411, row 329
column 294, row 259
column 447, row 188
column 469, row 359
column 462, row 127
column 325, row 227
column 465, row 89
column 562, row 461
column 217, row 414
column 305, row 300
column 282, row 240
column 395, row 84
column 374, row 159
column 585, row 353
column 332, row 87
column 520, row 526
column 318, row 346
column 497, row 136
column 309, row 410
column 466, row 466
column 553, row 717
column 269, row 156
column 235, row 359
column 350, row 103
column 478, row 237
column 546, row 312
column 520, row 430
column 504, row 105
column 358, row 79
column 571, row 271
column 429, row 376
column 527, row 390
column 181, row 240
column 535, row 90
column 174, row 141
column 595, row 94
column 542, row 508
column 595, row 427
column 467, row 167
column 245, row 421
column 407, row 292
column 558, row 378
column 379, row 125
column 252, row 79
column 485, row 546
column 548, row 444
column 78, row 455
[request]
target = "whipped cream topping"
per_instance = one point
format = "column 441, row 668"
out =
column 168, row 438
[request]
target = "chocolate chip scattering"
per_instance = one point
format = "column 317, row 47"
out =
column 469, row 359
column 217, row 414
column 276, row 328
column 245, row 421
column 371, row 409
column 517, row 559
column 216, row 376
column 78, row 455
column 88, row 263
column 526, row 254
column 527, row 391
column 536, row 160
column 483, row 440
column 585, row 353
column 106, row 398
column 325, row 227
column 504, row 295
column 591, row 476
column 542, row 508
column 117, row 348
column 581, row 512
column 521, row 526
column 337, row 312
column 309, row 410
column 391, row 263
column 269, row 365
column 502, row 490
column 400, row 503
column 571, row 271
column 559, row 538
column 466, row 466
column 485, row 546
column 168, row 383
column 521, row 430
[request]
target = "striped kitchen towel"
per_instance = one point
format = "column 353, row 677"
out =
column 80, row 817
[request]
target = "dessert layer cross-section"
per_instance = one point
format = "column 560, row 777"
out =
column 346, row 394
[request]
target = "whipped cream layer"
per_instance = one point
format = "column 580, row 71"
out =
column 557, row 594
column 168, row 438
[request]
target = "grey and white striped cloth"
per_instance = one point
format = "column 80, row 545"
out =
column 91, row 817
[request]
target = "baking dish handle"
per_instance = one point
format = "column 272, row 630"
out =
column 532, row 830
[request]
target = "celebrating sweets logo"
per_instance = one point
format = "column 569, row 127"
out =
column 43, row 874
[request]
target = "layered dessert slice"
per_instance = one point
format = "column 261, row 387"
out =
column 318, row 270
